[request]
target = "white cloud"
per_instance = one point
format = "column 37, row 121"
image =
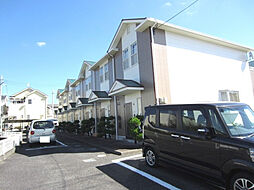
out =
column 190, row 13
column 183, row 3
column 40, row 44
column 168, row 4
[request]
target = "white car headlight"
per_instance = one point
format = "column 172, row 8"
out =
column 251, row 150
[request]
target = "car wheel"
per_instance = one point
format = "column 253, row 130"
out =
column 151, row 158
column 242, row 181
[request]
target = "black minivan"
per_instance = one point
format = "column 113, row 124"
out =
column 215, row 140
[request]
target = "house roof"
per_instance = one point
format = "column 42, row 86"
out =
column 82, row 70
column 121, row 29
column 31, row 91
column 73, row 105
column 121, row 87
column 60, row 90
column 84, row 100
column 3, row 97
column 71, row 80
column 101, row 94
column 117, row 37
column 149, row 22
column 98, row 96
column 129, row 83
column 251, row 63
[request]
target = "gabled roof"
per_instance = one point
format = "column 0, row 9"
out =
column 101, row 94
column 98, row 96
column 112, row 48
column 122, row 87
column 30, row 91
column 37, row 92
column 73, row 105
column 71, row 80
column 26, row 89
column 83, row 100
column 121, row 28
column 129, row 83
column 86, row 64
column 149, row 22
column 59, row 91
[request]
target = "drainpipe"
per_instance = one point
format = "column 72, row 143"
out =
column 154, row 73
column 114, row 97
column 95, row 118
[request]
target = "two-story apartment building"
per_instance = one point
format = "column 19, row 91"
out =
column 151, row 62
column 28, row 104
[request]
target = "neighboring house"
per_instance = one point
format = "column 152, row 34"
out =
column 151, row 62
column 52, row 113
column 28, row 104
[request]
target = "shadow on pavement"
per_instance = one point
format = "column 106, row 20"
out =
column 174, row 176
column 38, row 149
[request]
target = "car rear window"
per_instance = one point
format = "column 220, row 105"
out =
column 43, row 124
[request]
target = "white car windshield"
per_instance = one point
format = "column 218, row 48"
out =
column 239, row 120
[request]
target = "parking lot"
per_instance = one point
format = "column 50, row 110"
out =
column 73, row 165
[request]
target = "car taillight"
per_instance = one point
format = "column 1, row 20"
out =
column 54, row 131
column 32, row 132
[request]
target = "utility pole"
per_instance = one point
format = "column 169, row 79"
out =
column 1, row 83
column 53, row 112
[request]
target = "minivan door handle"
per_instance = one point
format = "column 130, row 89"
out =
column 174, row 136
column 185, row 138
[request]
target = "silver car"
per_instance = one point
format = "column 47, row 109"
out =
column 42, row 131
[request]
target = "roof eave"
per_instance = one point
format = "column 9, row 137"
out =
column 149, row 22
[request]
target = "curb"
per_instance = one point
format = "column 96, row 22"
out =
column 106, row 149
column 7, row 155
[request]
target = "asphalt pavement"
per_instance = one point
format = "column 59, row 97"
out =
column 73, row 164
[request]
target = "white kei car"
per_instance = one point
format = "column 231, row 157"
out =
column 42, row 131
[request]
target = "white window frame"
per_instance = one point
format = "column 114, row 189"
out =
column 125, row 59
column 101, row 74
column 106, row 72
column 134, row 53
column 228, row 92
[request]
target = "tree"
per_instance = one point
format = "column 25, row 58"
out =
column 135, row 128
column 87, row 125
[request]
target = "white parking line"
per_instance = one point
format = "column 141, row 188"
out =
column 127, row 158
column 61, row 143
column 89, row 160
column 101, row 155
column 48, row 147
column 144, row 174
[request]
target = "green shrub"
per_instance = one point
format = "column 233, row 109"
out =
column 87, row 125
column 106, row 126
column 76, row 126
column 135, row 128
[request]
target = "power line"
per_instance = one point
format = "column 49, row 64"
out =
column 178, row 13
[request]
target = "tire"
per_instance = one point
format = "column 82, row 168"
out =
column 242, row 181
column 151, row 158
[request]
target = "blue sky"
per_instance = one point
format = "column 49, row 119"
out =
column 43, row 42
